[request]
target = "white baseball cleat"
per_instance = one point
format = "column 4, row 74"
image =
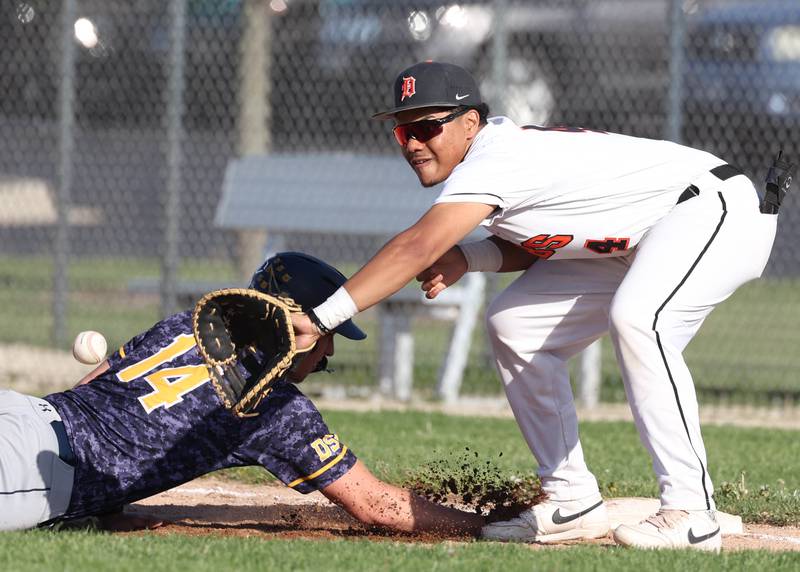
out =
column 697, row 529
column 553, row 521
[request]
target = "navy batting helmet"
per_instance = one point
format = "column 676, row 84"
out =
column 306, row 280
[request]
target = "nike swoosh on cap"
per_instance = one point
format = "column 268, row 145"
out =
column 459, row 97
column 558, row 519
column 696, row 539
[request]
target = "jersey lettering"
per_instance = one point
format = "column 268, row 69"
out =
column 169, row 384
column 326, row 446
column 545, row 245
column 607, row 245
column 179, row 346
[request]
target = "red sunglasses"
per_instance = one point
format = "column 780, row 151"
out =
column 424, row 130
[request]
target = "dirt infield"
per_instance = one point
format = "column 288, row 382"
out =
column 211, row 506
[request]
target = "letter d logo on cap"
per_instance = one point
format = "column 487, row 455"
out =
column 408, row 87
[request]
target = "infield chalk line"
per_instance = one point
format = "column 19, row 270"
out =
column 213, row 490
column 203, row 491
column 773, row 537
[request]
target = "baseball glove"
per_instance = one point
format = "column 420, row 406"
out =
column 247, row 341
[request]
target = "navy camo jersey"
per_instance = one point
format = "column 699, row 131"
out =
column 154, row 421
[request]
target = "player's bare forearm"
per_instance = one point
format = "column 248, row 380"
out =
column 515, row 258
column 414, row 250
column 400, row 509
column 391, row 268
column 100, row 369
column 374, row 502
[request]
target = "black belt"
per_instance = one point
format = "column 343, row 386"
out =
column 64, row 449
column 723, row 173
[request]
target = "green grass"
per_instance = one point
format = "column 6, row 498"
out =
column 97, row 552
column 745, row 353
column 99, row 297
column 395, row 445
column 751, row 340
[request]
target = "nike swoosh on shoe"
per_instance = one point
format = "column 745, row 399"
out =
column 697, row 539
column 558, row 519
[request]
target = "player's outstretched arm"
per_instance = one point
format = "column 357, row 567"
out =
column 414, row 250
column 374, row 502
column 102, row 368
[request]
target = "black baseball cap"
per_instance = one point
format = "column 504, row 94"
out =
column 305, row 279
column 432, row 84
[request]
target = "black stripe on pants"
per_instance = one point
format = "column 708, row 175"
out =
column 661, row 348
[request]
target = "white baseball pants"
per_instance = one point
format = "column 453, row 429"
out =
column 652, row 301
column 35, row 484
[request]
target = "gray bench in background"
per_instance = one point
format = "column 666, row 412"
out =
column 355, row 195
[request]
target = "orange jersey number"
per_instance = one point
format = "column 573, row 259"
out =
column 607, row 245
column 545, row 245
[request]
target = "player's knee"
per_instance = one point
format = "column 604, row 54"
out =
column 628, row 318
column 501, row 321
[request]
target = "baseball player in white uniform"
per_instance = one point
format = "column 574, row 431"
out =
column 635, row 237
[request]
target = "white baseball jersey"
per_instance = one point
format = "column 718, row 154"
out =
column 583, row 200
column 572, row 193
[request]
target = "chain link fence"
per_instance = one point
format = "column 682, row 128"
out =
column 118, row 118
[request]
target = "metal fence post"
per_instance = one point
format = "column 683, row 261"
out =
column 66, row 97
column 500, row 56
column 255, row 113
column 174, row 119
column 590, row 374
column 473, row 292
column 677, row 32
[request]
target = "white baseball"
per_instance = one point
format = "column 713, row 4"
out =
column 90, row 347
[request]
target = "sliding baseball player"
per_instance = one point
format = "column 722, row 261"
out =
column 201, row 390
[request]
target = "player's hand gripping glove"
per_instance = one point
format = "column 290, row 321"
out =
column 247, row 341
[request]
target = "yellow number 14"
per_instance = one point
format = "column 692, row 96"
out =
column 169, row 384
